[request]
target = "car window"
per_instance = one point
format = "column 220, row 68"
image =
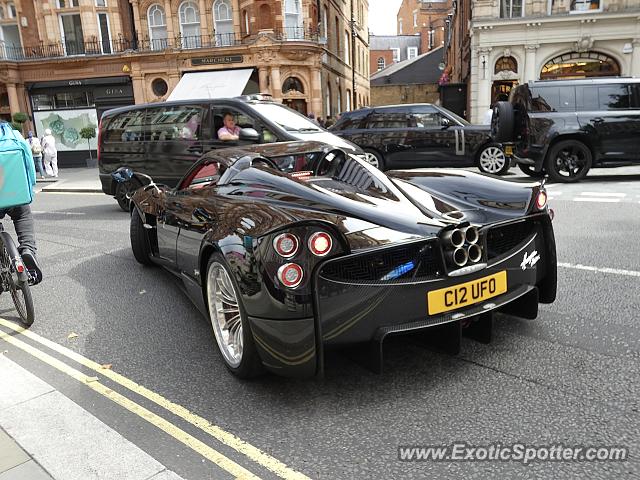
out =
column 613, row 97
column 387, row 119
column 126, row 127
column 179, row 122
column 634, row 88
column 297, row 163
column 352, row 121
column 426, row 120
column 553, row 99
column 288, row 119
column 204, row 176
column 243, row 120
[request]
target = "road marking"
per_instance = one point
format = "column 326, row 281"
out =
column 42, row 212
column 603, row 194
column 601, row 200
column 164, row 425
column 71, row 193
column 615, row 271
column 229, row 439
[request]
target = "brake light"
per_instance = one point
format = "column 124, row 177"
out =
column 286, row 245
column 290, row 275
column 320, row 244
column 19, row 267
column 541, row 200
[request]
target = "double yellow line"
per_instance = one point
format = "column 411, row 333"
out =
column 254, row 454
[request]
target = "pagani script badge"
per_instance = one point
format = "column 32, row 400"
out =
column 529, row 260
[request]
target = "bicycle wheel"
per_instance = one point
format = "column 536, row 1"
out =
column 20, row 292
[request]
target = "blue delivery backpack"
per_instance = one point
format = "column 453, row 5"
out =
column 17, row 170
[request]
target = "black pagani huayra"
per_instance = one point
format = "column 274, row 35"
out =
column 292, row 248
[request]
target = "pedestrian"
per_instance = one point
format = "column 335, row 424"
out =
column 488, row 115
column 312, row 117
column 50, row 154
column 36, row 151
column 329, row 122
column 320, row 122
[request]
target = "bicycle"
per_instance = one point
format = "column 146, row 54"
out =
column 16, row 278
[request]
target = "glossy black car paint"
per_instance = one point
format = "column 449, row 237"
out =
column 395, row 134
column 250, row 205
column 610, row 134
column 168, row 160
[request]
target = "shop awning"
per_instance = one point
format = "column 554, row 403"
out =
column 218, row 84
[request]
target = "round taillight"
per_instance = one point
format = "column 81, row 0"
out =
column 320, row 244
column 290, row 275
column 541, row 200
column 286, row 245
column 19, row 267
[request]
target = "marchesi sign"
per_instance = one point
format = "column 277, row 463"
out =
column 217, row 60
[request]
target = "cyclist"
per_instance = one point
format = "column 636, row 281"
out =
column 23, row 223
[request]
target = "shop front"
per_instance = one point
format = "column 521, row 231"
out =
column 66, row 107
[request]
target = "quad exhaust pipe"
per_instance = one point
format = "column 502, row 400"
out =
column 461, row 246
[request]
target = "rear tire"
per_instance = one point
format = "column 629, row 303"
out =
column 22, row 299
column 568, row 161
column 123, row 191
column 229, row 320
column 502, row 122
column 139, row 239
column 374, row 158
column 528, row 170
column 492, row 160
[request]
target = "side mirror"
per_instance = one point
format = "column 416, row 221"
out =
column 122, row 175
column 249, row 135
column 445, row 123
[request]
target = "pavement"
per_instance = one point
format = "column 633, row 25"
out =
column 81, row 180
column 121, row 351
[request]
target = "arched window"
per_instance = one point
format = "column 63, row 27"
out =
column 381, row 63
column 223, row 22
column 157, row 27
column 189, row 24
column 265, row 17
column 292, row 84
column 245, row 21
column 506, row 64
column 347, row 48
column 293, row 19
column 580, row 65
column 12, row 10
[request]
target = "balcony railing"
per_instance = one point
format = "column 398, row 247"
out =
column 145, row 45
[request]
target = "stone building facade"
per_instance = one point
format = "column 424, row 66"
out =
column 66, row 59
column 515, row 41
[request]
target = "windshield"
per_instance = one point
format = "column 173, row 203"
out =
column 288, row 119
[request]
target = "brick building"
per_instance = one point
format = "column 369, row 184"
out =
column 66, row 61
column 417, row 17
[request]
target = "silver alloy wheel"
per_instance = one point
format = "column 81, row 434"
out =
column 224, row 312
column 371, row 159
column 492, row 160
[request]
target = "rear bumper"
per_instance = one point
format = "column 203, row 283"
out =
column 532, row 157
column 348, row 313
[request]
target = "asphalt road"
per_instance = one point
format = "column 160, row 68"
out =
column 572, row 376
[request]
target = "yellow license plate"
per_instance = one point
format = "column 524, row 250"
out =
column 508, row 150
column 465, row 294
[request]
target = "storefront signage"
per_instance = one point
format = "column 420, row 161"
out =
column 220, row 60
column 75, row 83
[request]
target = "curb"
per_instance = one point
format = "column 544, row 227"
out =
column 70, row 190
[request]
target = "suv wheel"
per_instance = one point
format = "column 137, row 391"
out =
column 374, row 158
column 568, row 161
column 493, row 160
column 502, row 122
column 528, row 170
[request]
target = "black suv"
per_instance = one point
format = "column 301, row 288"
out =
column 163, row 140
column 421, row 135
column 565, row 127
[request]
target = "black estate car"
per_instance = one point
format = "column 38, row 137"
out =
column 164, row 140
column 421, row 135
column 565, row 127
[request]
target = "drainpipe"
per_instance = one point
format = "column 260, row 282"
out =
column 354, row 36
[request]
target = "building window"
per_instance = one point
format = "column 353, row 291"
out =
column 327, row 99
column 245, row 18
column 412, row 52
column 339, row 107
column 105, row 33
column 159, row 87
column 1, row 12
column 12, row 10
column 431, row 35
column 157, row 27
column 381, row 63
column 415, row 19
column 293, row 19
column 223, row 22
column 506, row 64
column 396, row 54
column 325, row 23
column 400, row 27
column 337, row 36
column 580, row 65
column 511, row 9
column 348, row 109
column 62, row 101
column 578, row 6
column 347, row 48
column 189, row 24
column 72, row 35
column 68, row 3
column 292, row 84
column 101, row 3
